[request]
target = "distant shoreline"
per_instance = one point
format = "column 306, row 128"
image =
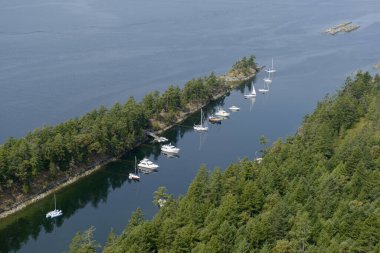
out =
column 232, row 82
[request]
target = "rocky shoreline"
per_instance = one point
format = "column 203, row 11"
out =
column 63, row 183
column 6, row 210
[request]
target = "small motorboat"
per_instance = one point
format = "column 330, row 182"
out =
column 234, row 108
column 134, row 176
column 215, row 119
column 222, row 113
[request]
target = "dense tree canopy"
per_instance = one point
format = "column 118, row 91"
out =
column 318, row 191
column 245, row 66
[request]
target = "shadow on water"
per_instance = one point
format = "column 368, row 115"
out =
column 30, row 222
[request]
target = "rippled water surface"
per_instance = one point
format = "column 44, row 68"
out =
column 60, row 59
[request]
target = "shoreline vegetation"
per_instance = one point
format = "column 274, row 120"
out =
column 316, row 191
column 51, row 158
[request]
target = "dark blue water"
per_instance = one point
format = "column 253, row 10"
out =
column 60, row 59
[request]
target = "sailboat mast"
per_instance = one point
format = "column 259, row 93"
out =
column 135, row 165
column 201, row 117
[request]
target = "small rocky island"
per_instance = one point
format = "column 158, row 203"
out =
column 242, row 70
column 344, row 27
column 376, row 66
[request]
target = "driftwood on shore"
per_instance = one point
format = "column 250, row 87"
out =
column 343, row 27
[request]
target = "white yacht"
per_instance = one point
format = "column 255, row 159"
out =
column 56, row 212
column 201, row 127
column 234, row 108
column 134, row 176
column 222, row 113
column 252, row 94
column 169, row 148
column 146, row 163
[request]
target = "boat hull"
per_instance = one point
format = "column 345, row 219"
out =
column 215, row 119
column 133, row 176
column 54, row 213
column 200, row 128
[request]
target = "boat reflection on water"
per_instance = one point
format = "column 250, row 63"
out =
column 202, row 139
column 252, row 102
column 169, row 154
column 146, row 170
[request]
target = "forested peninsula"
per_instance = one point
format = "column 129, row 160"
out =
column 53, row 156
column 316, row 191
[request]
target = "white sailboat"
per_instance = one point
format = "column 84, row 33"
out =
column 267, row 79
column 252, row 94
column 56, row 212
column 201, row 127
column 215, row 119
column 265, row 89
column 134, row 176
column 271, row 70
